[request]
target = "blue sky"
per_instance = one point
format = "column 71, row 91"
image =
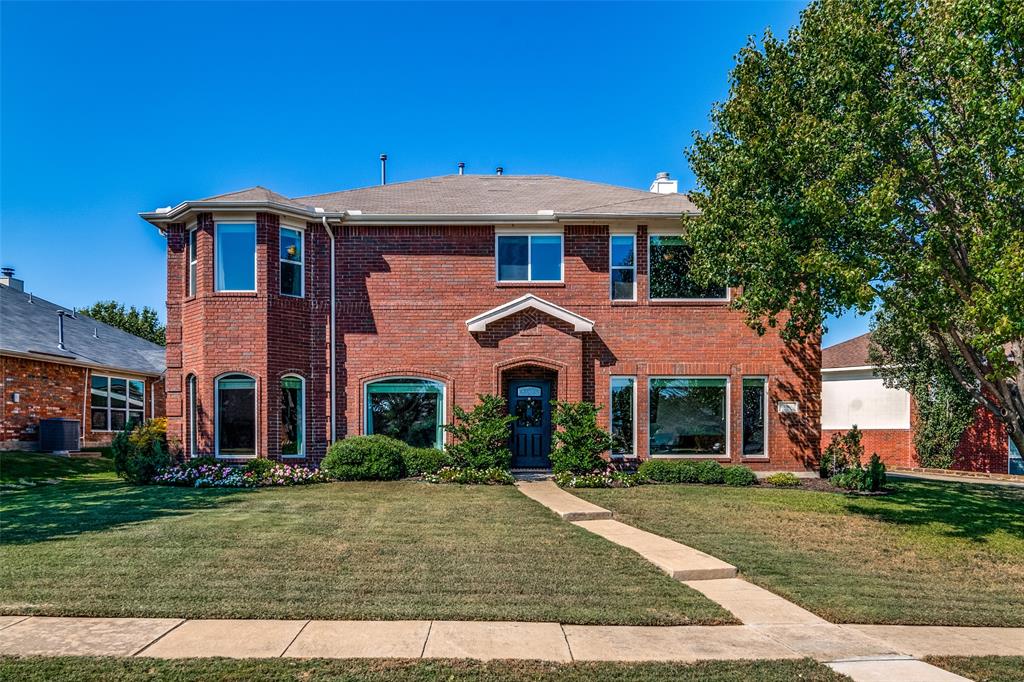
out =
column 109, row 109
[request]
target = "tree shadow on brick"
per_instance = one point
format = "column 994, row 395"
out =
column 69, row 508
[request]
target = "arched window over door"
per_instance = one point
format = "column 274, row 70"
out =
column 292, row 423
column 406, row 408
column 236, row 416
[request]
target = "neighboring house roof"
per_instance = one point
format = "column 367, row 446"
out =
column 28, row 328
column 852, row 353
column 480, row 322
column 538, row 197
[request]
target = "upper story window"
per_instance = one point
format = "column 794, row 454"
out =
column 116, row 402
column 529, row 257
column 193, row 261
column 291, row 262
column 235, row 249
column 622, row 266
column 669, row 261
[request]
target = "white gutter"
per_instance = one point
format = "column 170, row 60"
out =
column 334, row 396
column 859, row 368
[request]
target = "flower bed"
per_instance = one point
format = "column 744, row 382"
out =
column 223, row 476
column 606, row 479
column 491, row 476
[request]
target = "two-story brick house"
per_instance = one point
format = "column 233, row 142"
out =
column 295, row 322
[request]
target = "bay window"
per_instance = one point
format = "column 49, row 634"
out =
column 689, row 416
column 236, row 416
column 292, row 424
column 669, row 271
column 409, row 409
column 623, row 412
column 529, row 258
column 235, row 248
column 291, row 262
column 193, row 260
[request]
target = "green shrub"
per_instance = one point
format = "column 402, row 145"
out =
column 669, row 471
column 419, row 461
column 738, row 476
column 710, row 472
column 579, row 442
column 140, row 453
column 481, row 435
column 783, row 479
column 260, row 466
column 365, row 458
column 844, row 450
column 865, row 479
column 492, row 476
column 876, row 478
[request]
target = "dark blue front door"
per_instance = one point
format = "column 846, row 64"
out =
column 529, row 400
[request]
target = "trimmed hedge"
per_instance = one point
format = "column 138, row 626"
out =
column 365, row 458
column 739, row 476
column 420, row 461
column 708, row 472
column 783, row 479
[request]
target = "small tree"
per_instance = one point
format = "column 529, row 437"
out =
column 144, row 323
column 579, row 442
column 481, row 435
column 844, row 451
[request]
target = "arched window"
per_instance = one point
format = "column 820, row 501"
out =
column 192, row 412
column 236, row 416
column 292, row 423
column 406, row 408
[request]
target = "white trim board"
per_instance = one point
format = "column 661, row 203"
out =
column 480, row 322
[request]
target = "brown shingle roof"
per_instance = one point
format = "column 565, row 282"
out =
column 255, row 194
column 852, row 353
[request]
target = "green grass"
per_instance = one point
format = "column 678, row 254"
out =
column 931, row 553
column 983, row 668
column 37, row 465
column 94, row 546
column 80, row 669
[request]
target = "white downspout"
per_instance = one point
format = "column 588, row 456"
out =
column 334, row 395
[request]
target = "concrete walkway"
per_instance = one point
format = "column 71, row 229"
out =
column 568, row 507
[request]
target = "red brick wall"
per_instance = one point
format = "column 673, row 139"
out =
column 894, row 446
column 403, row 296
column 984, row 446
column 51, row 390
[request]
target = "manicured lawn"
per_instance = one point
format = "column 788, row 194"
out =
column 983, row 668
column 112, row 670
column 930, row 553
column 93, row 545
column 35, row 466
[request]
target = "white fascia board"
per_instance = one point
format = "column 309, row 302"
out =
column 578, row 322
column 859, row 368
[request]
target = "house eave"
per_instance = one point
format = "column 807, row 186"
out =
column 481, row 321
column 63, row 360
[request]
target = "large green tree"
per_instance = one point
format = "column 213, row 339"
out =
column 876, row 157
column 144, row 323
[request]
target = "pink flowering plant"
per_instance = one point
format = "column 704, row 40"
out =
column 609, row 478
column 225, row 476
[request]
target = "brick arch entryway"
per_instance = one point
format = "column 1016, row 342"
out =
column 529, row 389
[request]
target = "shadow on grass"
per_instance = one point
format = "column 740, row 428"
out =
column 972, row 512
column 81, row 506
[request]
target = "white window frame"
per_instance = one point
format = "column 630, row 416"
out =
column 302, row 416
column 611, row 395
column 727, row 454
column 216, row 416
column 612, row 268
column 529, row 258
column 108, row 408
column 367, row 417
column 216, row 256
column 301, row 263
column 652, row 235
column 192, row 249
column 767, row 416
column 192, row 385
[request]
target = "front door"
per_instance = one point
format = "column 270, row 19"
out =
column 529, row 401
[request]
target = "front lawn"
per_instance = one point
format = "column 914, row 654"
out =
column 983, row 668
column 34, row 466
column 930, row 553
column 92, row 545
column 75, row 669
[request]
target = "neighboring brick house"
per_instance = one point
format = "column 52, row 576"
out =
column 852, row 394
column 55, row 362
column 294, row 322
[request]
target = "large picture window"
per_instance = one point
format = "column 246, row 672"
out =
column 623, row 405
column 293, row 417
column 411, row 410
column 193, row 260
column 291, row 262
column 622, row 266
column 115, row 402
column 236, row 256
column 688, row 416
column 669, row 269
column 755, row 423
column 529, row 258
column 236, row 416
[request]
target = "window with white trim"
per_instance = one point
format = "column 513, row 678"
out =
column 192, row 412
column 235, row 251
column 292, row 264
column 193, row 260
column 622, row 266
column 529, row 257
column 755, row 416
column 407, row 408
column 116, row 402
column 689, row 416
column 623, row 416
column 292, row 423
column 236, row 416
column 668, row 260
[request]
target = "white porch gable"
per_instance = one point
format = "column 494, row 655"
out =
column 578, row 322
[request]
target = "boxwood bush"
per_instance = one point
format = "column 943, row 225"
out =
column 710, row 472
column 365, row 458
column 481, row 435
column 579, row 441
column 420, row 461
column 739, row 476
column 783, row 479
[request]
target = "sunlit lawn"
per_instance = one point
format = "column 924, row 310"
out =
column 92, row 545
column 930, row 553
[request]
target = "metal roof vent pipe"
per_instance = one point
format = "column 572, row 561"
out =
column 60, row 329
column 499, row 170
column 8, row 279
column 462, row 167
column 383, row 169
